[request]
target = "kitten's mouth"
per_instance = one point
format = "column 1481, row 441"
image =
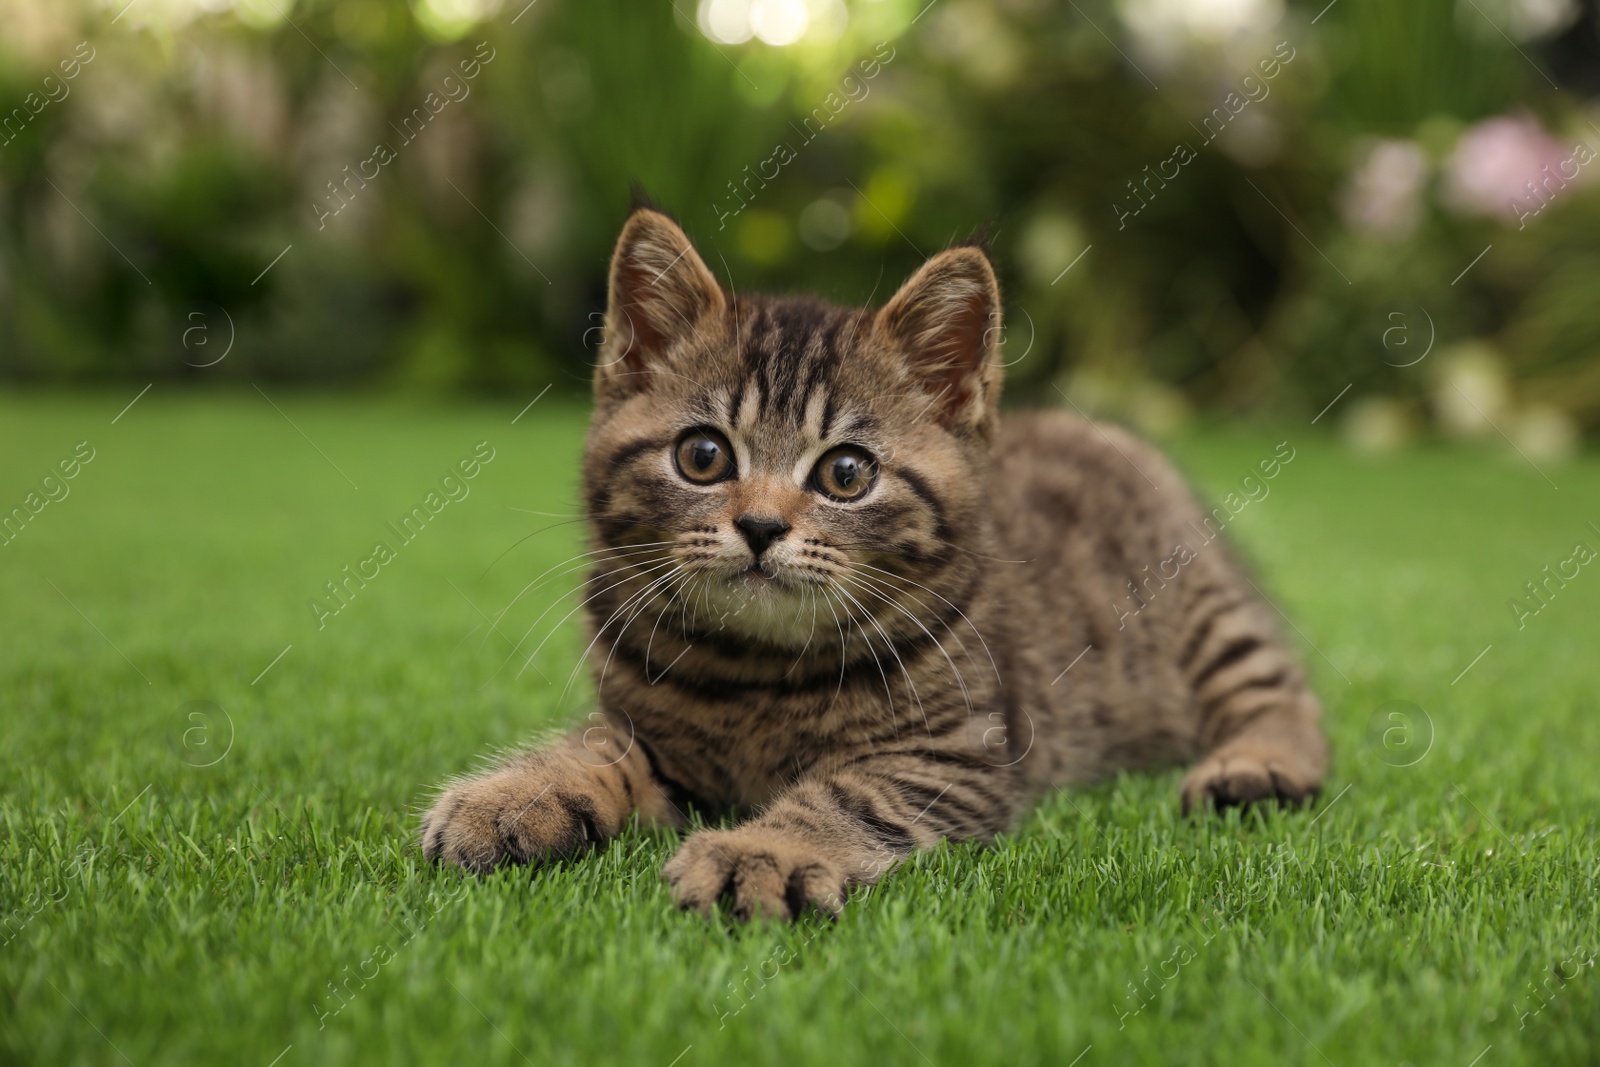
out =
column 768, row 605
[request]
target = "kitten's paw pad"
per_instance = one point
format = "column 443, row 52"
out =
column 755, row 874
column 513, row 817
column 1226, row 780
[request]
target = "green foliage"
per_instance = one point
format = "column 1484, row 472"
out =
column 194, row 150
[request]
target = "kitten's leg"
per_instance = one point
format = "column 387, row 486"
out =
column 1259, row 724
column 545, row 804
column 835, row 829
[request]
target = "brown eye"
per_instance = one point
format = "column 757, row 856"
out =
column 704, row 456
column 845, row 473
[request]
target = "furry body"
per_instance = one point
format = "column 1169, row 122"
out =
column 834, row 592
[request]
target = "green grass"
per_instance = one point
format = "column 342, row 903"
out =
column 161, row 912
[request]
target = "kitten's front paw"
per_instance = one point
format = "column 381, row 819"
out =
column 516, row 815
column 756, row 873
column 1245, row 776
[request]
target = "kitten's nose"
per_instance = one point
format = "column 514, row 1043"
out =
column 760, row 532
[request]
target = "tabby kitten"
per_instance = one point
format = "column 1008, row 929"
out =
column 834, row 591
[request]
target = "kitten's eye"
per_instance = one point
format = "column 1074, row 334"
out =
column 704, row 456
column 845, row 473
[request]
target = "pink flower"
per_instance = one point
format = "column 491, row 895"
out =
column 1493, row 161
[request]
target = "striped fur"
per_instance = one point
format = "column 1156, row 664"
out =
column 888, row 671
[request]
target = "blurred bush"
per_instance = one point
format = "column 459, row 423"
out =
column 1212, row 205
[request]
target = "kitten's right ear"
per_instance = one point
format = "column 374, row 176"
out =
column 661, row 293
column 944, row 320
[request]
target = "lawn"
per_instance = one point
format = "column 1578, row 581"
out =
column 207, row 802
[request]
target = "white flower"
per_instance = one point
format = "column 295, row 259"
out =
column 1523, row 20
column 1384, row 195
column 1472, row 395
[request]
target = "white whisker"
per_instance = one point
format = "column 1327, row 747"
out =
column 640, row 601
column 651, row 568
column 958, row 611
column 889, row 643
column 961, row 681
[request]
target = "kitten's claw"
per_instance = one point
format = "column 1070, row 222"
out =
column 756, row 873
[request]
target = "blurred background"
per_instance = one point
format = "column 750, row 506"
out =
column 1382, row 215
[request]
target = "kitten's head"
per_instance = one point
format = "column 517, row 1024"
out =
column 764, row 460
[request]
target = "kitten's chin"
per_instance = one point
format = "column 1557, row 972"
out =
column 772, row 609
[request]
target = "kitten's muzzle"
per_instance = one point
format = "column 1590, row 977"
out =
column 760, row 531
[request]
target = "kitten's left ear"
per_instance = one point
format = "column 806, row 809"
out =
column 661, row 294
column 945, row 320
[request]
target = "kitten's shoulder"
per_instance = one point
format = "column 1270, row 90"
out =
column 1050, row 439
column 1060, row 460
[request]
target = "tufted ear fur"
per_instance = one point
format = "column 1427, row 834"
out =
column 945, row 323
column 661, row 293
